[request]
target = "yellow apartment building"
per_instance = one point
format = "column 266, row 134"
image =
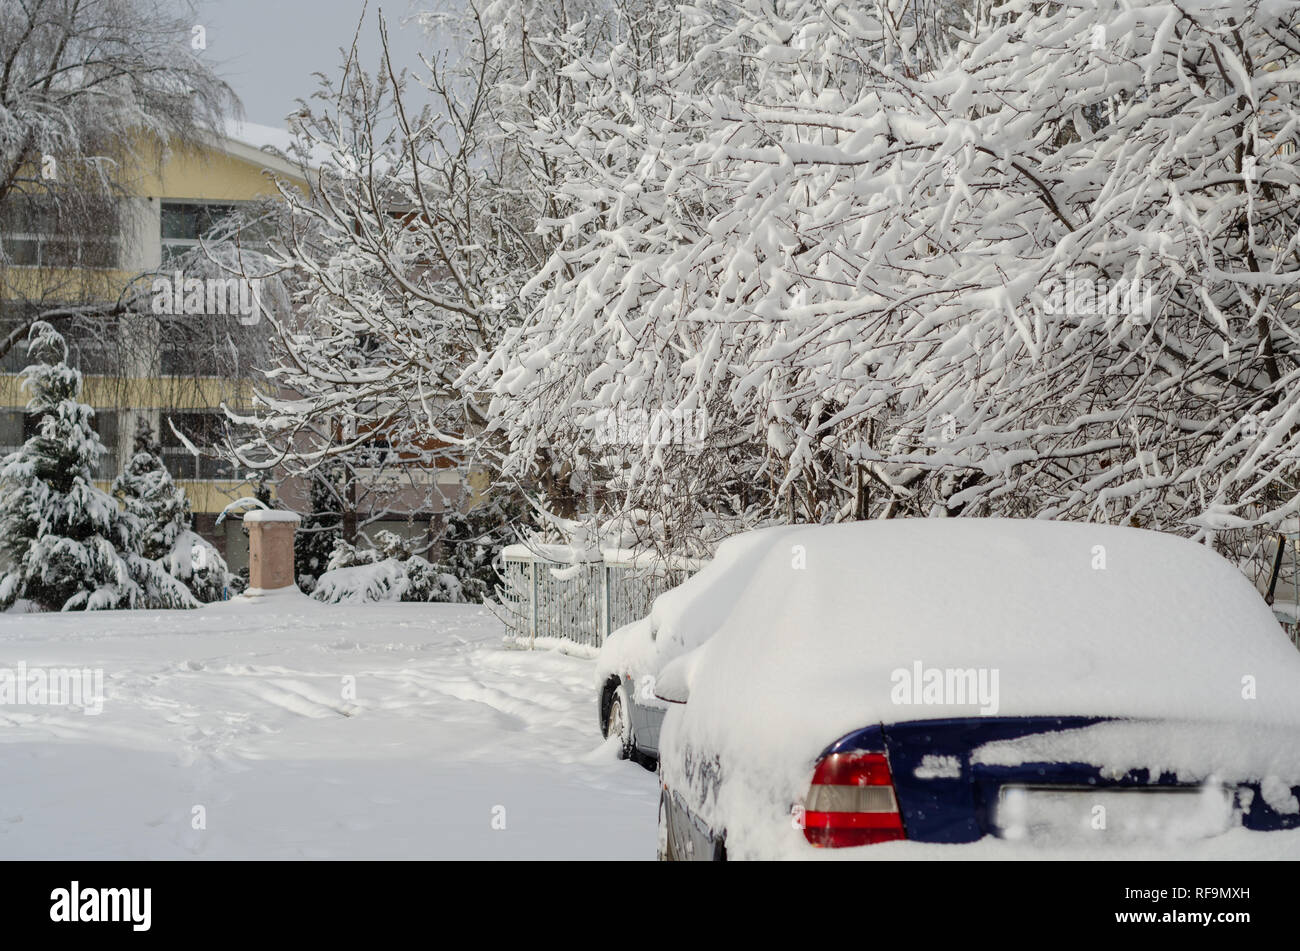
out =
column 147, row 371
column 169, row 205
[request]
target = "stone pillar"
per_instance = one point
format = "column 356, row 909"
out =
column 270, row 549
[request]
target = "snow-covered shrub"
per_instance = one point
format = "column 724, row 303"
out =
column 66, row 543
column 430, row 582
column 389, row 573
column 148, row 492
column 471, row 542
column 376, row 581
column 197, row 564
column 348, row 555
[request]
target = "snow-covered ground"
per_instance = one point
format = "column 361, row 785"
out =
column 304, row 730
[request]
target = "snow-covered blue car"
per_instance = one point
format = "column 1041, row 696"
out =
column 974, row 688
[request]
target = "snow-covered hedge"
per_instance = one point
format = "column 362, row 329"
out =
column 356, row 576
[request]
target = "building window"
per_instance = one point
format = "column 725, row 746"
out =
column 95, row 346
column 185, row 224
column 13, row 430
column 183, row 358
column 16, row 427
column 38, row 231
column 204, row 430
column 105, row 425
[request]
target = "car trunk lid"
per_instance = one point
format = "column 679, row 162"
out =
column 1061, row 779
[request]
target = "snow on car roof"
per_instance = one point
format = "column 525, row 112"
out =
column 821, row 630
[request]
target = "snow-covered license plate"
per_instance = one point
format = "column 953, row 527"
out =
column 1055, row 815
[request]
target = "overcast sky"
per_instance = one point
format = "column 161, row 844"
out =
column 268, row 49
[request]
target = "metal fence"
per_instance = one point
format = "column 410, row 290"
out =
column 548, row 603
column 1290, row 624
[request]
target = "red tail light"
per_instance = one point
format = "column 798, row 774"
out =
column 852, row 802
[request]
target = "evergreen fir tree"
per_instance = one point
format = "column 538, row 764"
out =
column 148, row 492
column 66, row 544
column 314, row 542
column 472, row 541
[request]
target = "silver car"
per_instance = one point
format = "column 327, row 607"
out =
column 626, row 704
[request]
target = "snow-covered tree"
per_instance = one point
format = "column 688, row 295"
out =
column 313, row 543
column 411, row 252
column 472, row 539
column 165, row 523
column 146, row 490
column 403, row 270
column 65, row 543
column 1045, row 266
column 88, row 88
column 617, row 372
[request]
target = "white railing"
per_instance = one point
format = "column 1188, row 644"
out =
column 1288, row 615
column 549, row 598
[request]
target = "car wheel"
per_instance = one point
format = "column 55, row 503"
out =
column 619, row 724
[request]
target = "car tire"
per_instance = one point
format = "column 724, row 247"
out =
column 618, row 723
